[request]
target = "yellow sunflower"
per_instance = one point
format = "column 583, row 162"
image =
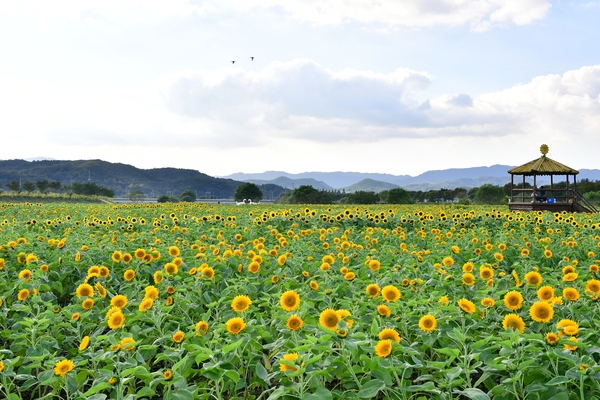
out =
column 63, row 367
column 84, row 343
column 289, row 300
column 488, row 302
column 533, row 278
column 178, row 336
column 552, row 338
column 129, row 275
column 146, row 304
column 23, row 294
column 373, row 290
column 116, row 320
column 571, row 293
column 513, row 300
column 384, row 310
column 541, row 311
column 174, row 251
column 592, row 286
column 513, row 321
column 235, row 325
column 468, row 279
column 383, row 348
column 240, row 303
column 127, row 343
column 201, row 328
column 389, row 333
column 85, row 290
column 390, row 293
column 427, row 323
column 467, row 306
column 545, row 293
column 288, row 357
column 294, row 322
column 329, row 319
column 486, row 273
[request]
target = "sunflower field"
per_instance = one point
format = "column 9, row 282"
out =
column 196, row 301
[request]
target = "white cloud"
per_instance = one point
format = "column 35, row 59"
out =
column 301, row 99
column 479, row 14
column 299, row 88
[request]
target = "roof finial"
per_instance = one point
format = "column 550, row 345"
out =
column 544, row 149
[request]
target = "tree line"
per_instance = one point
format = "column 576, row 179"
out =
column 44, row 186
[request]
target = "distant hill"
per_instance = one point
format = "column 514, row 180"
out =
column 122, row 178
column 430, row 180
column 289, row 183
column 369, row 185
column 336, row 180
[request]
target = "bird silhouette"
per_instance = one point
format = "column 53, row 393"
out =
column 233, row 62
column 251, row 58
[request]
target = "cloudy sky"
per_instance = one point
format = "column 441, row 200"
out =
column 394, row 86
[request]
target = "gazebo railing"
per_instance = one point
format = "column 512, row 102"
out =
column 585, row 202
column 556, row 195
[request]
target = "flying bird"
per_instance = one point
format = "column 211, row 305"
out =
column 233, row 62
column 251, row 58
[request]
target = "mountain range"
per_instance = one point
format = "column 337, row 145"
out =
column 430, row 180
column 123, row 178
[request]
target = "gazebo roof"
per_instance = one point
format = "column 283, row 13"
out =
column 543, row 166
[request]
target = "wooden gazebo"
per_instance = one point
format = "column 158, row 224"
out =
column 552, row 198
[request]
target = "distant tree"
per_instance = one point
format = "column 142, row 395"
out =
column 136, row 195
column 398, row 196
column 361, row 197
column 91, row 189
column 42, row 185
column 55, row 186
column 306, row 194
column 490, row 194
column 165, row 198
column 188, row 196
column 593, row 197
column 248, row 191
column 28, row 186
column 14, row 186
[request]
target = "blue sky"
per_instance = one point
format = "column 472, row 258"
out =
column 399, row 87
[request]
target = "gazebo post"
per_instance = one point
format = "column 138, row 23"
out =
column 512, row 179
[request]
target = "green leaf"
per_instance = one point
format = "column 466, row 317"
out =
column 371, row 388
column 232, row 346
column 320, row 394
column 98, row 396
column 182, row 394
column 474, row 394
column 557, row 380
column 96, row 388
column 261, row 372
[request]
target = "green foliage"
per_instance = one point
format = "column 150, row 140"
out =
column 28, row 186
column 397, row 196
column 121, row 178
column 490, row 194
column 593, row 197
column 14, row 186
column 361, row 197
column 91, row 189
column 188, row 196
column 248, row 191
column 42, row 185
column 136, row 195
column 165, row 198
column 309, row 195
